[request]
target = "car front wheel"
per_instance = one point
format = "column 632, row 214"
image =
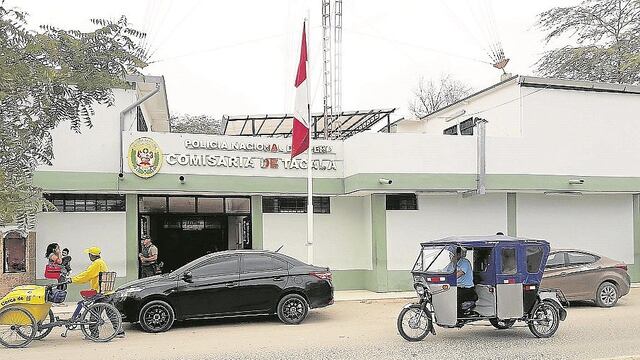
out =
column 156, row 316
column 292, row 309
column 607, row 295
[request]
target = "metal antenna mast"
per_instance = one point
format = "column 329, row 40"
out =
column 337, row 58
column 326, row 66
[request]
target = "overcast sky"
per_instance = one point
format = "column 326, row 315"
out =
column 239, row 57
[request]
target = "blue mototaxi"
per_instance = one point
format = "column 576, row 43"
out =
column 507, row 272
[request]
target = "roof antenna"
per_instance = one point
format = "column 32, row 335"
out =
column 281, row 246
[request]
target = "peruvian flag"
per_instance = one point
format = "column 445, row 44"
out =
column 301, row 121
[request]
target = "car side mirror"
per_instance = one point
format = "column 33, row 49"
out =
column 187, row 277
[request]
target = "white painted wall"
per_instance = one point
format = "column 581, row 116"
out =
column 409, row 153
column 342, row 239
column 95, row 149
column 78, row 231
column 599, row 223
column 440, row 216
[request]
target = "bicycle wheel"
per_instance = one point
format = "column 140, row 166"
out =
column 100, row 322
column 17, row 327
column 42, row 333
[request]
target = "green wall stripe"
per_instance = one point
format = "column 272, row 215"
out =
column 132, row 236
column 512, row 214
column 256, row 222
column 102, row 182
column 379, row 238
column 634, row 270
column 88, row 181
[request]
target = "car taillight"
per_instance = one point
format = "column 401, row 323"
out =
column 622, row 266
column 323, row 275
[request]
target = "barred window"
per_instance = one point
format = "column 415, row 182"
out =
column 87, row 202
column 466, row 127
column 295, row 204
column 453, row 130
column 402, row 202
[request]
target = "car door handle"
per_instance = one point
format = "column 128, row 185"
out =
column 231, row 284
column 277, row 278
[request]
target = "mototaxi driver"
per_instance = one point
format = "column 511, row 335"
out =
column 464, row 276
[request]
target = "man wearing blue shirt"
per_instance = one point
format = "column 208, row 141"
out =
column 464, row 274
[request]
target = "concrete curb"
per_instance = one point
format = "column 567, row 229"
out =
column 632, row 357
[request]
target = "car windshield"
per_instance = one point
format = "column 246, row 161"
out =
column 435, row 259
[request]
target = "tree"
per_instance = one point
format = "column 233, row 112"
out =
column 430, row 96
column 48, row 77
column 607, row 41
column 195, row 124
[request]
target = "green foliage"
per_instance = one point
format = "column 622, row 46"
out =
column 607, row 41
column 195, row 124
column 48, row 77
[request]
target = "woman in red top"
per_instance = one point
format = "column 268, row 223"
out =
column 54, row 256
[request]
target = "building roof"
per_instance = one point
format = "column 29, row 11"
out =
column 344, row 124
column 479, row 239
column 156, row 108
column 549, row 83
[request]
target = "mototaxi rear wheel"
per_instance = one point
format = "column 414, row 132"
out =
column 414, row 324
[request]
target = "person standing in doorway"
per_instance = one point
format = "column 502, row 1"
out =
column 148, row 257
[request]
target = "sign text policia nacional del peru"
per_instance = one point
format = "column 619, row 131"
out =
column 248, row 161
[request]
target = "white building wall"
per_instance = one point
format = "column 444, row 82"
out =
column 409, row 153
column 440, row 216
column 95, row 149
column 598, row 223
column 342, row 239
column 78, row 231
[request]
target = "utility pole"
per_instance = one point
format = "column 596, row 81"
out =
column 326, row 66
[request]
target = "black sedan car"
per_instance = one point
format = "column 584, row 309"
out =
column 226, row 284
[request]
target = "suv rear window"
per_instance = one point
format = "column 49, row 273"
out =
column 555, row 260
column 578, row 258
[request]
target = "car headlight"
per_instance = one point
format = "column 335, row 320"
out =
column 128, row 291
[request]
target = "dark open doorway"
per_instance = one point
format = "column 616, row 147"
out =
column 185, row 228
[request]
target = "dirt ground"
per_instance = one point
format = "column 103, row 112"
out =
column 358, row 330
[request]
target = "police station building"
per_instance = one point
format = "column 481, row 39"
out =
column 561, row 164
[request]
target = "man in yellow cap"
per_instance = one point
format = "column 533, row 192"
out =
column 92, row 276
column 92, row 273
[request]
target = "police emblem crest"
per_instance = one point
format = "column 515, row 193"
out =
column 145, row 157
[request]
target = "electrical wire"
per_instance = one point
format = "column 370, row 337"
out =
column 175, row 27
column 419, row 47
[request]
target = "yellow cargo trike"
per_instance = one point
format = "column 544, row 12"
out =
column 25, row 313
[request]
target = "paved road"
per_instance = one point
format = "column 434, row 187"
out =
column 358, row 330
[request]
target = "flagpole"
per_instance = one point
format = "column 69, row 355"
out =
column 309, row 165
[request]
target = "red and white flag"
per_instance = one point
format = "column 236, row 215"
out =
column 300, row 132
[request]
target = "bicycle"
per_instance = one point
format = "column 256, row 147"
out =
column 26, row 315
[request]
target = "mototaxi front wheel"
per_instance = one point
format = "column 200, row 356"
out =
column 101, row 322
column 414, row 324
column 544, row 320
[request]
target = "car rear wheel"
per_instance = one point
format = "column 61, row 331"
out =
column 156, row 316
column 292, row 309
column 607, row 295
